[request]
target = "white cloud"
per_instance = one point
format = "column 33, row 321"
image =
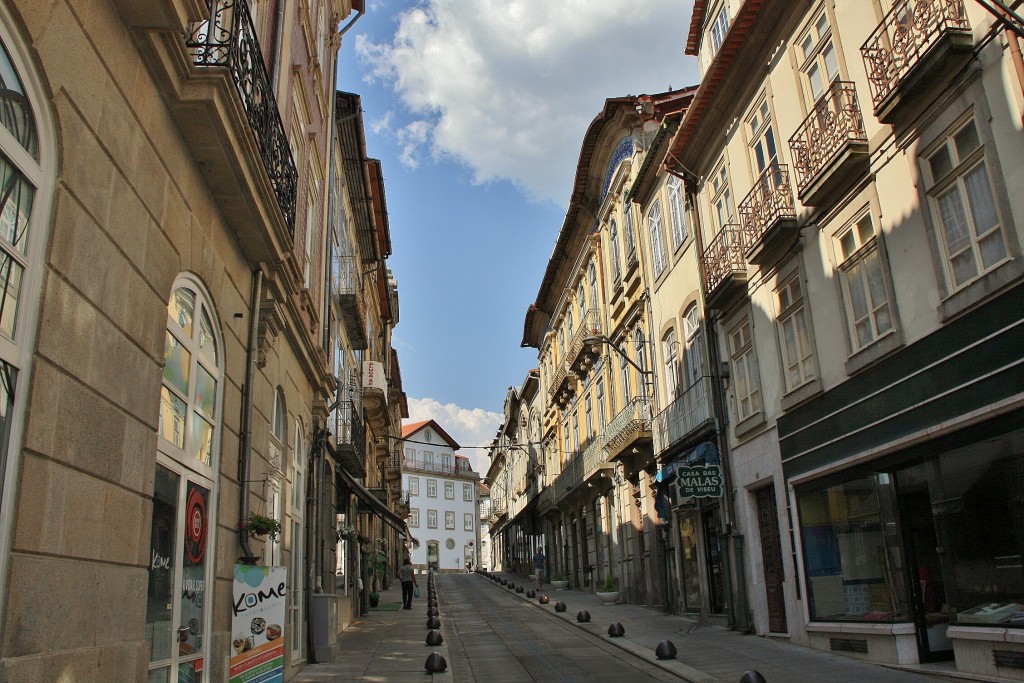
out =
column 508, row 87
column 468, row 426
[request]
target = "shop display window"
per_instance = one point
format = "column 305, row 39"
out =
column 851, row 552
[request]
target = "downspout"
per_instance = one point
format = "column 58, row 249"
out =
column 245, row 447
column 344, row 29
column 278, row 42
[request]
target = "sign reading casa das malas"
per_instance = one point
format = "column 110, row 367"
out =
column 700, row 481
column 257, row 631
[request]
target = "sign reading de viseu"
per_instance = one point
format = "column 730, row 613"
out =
column 701, row 481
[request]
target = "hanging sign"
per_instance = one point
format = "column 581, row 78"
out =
column 701, row 481
column 257, row 624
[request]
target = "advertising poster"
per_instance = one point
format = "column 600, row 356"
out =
column 257, row 624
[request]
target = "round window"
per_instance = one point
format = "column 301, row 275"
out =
column 450, row 543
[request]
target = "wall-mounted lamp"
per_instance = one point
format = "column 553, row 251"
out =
column 595, row 342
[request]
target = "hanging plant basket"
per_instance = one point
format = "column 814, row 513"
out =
column 261, row 526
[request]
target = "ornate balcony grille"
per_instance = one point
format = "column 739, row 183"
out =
column 395, row 460
column 906, row 33
column 723, row 257
column 570, row 477
column 770, row 200
column 683, row 416
column 430, row 465
column 348, row 428
column 594, row 455
column 834, row 122
column 228, row 39
column 556, row 380
column 634, row 418
column 589, row 326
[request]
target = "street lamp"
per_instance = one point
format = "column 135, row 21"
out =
column 598, row 339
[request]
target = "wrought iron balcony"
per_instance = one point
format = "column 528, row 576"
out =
column 768, row 215
column 725, row 268
column 393, row 468
column 349, row 439
column 914, row 42
column 569, row 479
column 228, row 39
column 430, row 465
column 828, row 144
column 632, row 424
column 590, row 326
column 688, row 413
column 595, row 459
column 347, row 283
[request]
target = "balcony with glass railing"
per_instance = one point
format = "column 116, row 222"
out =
column 830, row 147
column 348, row 438
column 631, row 427
column 725, row 267
column 768, row 216
column 915, row 48
column 348, row 292
column 690, row 413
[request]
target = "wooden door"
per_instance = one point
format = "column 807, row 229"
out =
column 771, row 551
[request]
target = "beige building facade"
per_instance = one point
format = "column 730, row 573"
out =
column 168, row 331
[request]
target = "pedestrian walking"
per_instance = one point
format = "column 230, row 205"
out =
column 538, row 567
column 407, row 575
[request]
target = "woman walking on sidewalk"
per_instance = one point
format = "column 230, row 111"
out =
column 407, row 575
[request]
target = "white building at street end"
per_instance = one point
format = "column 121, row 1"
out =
column 442, row 486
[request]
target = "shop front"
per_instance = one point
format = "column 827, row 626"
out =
column 908, row 486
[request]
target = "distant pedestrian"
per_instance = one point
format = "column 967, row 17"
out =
column 407, row 575
column 538, row 567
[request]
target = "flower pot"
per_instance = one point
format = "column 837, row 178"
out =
column 559, row 584
column 608, row 598
column 374, row 599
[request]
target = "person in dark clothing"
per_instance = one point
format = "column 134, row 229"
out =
column 407, row 575
column 538, row 567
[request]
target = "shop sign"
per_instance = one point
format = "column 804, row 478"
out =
column 701, row 481
column 257, row 624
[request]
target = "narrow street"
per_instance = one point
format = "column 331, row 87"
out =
column 491, row 633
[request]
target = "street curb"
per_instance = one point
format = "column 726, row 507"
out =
column 672, row 666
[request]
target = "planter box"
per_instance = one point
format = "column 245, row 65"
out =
column 559, row 585
column 608, row 598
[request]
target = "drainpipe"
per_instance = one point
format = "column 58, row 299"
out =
column 278, row 42
column 245, row 448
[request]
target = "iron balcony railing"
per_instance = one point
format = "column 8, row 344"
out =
column 770, row 200
column 834, row 123
column 906, row 33
column 430, row 465
column 571, row 476
column 723, row 257
column 594, row 455
column 690, row 410
column 634, row 418
column 228, row 39
column 395, row 460
column 349, row 429
column 590, row 326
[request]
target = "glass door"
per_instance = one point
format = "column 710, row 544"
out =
column 177, row 613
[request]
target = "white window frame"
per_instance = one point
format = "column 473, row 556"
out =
column 694, row 354
column 745, row 382
column 414, row 517
column 677, row 212
column 414, row 486
column 964, row 164
column 431, row 488
column 669, row 348
column 449, row 520
column 431, row 518
column 467, row 492
column 861, row 273
column 796, row 338
column 613, row 239
column 449, row 490
column 723, row 207
column 657, row 236
column 817, row 53
column 764, row 148
column 718, row 28
column 468, row 524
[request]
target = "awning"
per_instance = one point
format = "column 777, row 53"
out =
column 703, row 452
column 372, row 502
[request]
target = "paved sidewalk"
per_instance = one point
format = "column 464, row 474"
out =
column 389, row 645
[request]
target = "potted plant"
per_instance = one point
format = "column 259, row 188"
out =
column 347, row 533
column 559, row 582
column 378, row 567
column 610, row 592
column 260, row 525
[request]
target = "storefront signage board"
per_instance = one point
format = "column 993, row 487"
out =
column 257, row 624
column 701, row 481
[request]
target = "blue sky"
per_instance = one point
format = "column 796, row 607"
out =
column 476, row 109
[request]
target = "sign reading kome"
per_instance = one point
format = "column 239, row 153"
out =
column 702, row 481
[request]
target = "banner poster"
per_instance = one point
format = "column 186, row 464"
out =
column 257, row 624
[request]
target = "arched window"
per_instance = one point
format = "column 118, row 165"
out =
column 613, row 237
column 28, row 170
column 669, row 348
column 184, row 496
column 592, row 277
column 694, row 348
column 278, row 431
